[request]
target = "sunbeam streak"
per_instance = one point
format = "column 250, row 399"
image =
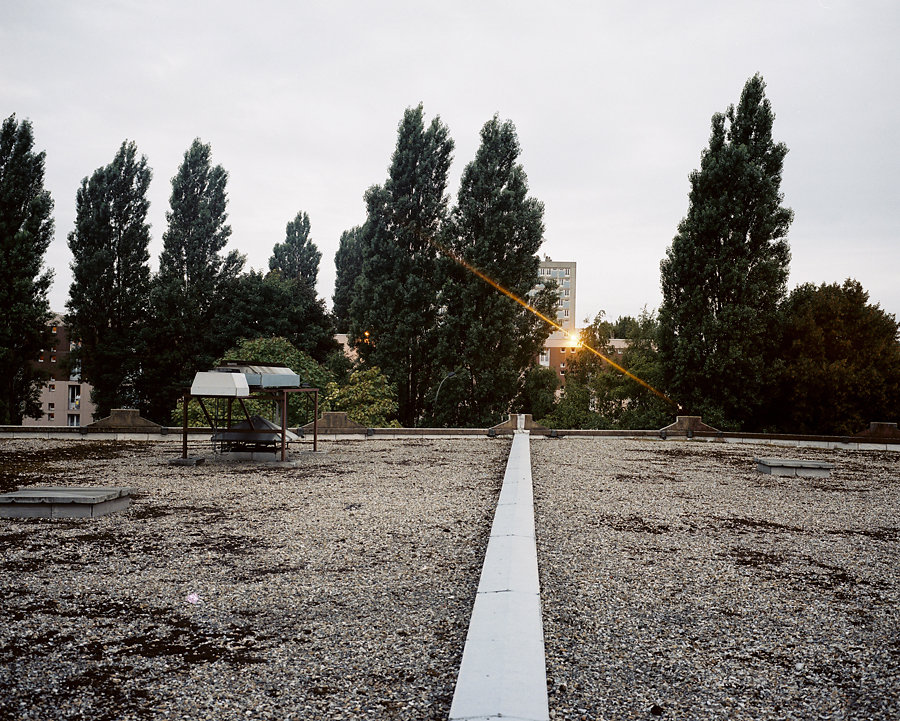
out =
column 509, row 294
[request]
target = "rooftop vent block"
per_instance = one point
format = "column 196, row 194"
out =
column 214, row 383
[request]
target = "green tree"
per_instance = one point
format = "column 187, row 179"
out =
column 189, row 295
column 497, row 229
column 348, row 264
column 626, row 326
column 623, row 402
column 297, row 257
column 840, row 361
column 574, row 409
column 271, row 305
column 109, row 294
column 367, row 398
column 281, row 350
column 26, row 229
column 538, row 395
column 283, row 302
column 726, row 270
column 585, row 366
column 395, row 299
column 294, row 271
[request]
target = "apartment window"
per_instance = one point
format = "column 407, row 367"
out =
column 51, row 405
column 74, row 419
column 41, row 358
column 566, row 312
column 74, row 397
column 53, row 359
column 53, row 330
column 50, row 416
column 52, row 386
column 566, row 292
column 545, row 358
column 567, row 271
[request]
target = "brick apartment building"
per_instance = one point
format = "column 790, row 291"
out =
column 65, row 400
column 559, row 351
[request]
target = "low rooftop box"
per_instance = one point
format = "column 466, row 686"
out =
column 216, row 383
column 261, row 376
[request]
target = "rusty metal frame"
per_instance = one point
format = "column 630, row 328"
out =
column 279, row 395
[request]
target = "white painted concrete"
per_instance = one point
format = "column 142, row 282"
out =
column 503, row 674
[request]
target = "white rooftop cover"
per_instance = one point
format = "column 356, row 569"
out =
column 214, row 383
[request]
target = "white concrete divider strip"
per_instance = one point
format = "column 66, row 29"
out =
column 503, row 674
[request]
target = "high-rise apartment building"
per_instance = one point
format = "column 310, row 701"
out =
column 561, row 345
column 563, row 272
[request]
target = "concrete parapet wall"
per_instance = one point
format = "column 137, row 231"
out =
column 200, row 433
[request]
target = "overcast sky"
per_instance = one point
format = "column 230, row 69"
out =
column 612, row 101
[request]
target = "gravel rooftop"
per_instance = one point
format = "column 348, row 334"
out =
column 677, row 582
column 340, row 589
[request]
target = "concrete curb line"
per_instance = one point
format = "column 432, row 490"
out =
column 503, row 673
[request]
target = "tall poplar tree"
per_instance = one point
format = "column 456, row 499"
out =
column 348, row 266
column 189, row 295
column 283, row 302
column 395, row 300
column 26, row 229
column 111, row 278
column 726, row 270
column 487, row 339
column 297, row 257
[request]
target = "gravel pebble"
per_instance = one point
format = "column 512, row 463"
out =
column 677, row 582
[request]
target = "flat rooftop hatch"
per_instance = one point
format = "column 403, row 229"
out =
column 64, row 502
column 794, row 467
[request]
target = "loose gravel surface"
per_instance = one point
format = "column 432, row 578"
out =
column 338, row 589
column 677, row 582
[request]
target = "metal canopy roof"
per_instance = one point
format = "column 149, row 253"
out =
column 262, row 375
column 238, row 379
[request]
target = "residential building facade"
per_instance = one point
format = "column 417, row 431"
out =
column 560, row 349
column 65, row 400
column 563, row 272
column 561, row 345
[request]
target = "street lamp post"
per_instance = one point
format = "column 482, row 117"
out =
column 451, row 374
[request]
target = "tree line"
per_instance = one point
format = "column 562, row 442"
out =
column 729, row 343
column 436, row 345
column 458, row 352
column 406, row 305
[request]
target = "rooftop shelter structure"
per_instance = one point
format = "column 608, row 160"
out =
column 240, row 381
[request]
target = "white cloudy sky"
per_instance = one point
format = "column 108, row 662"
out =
column 612, row 100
